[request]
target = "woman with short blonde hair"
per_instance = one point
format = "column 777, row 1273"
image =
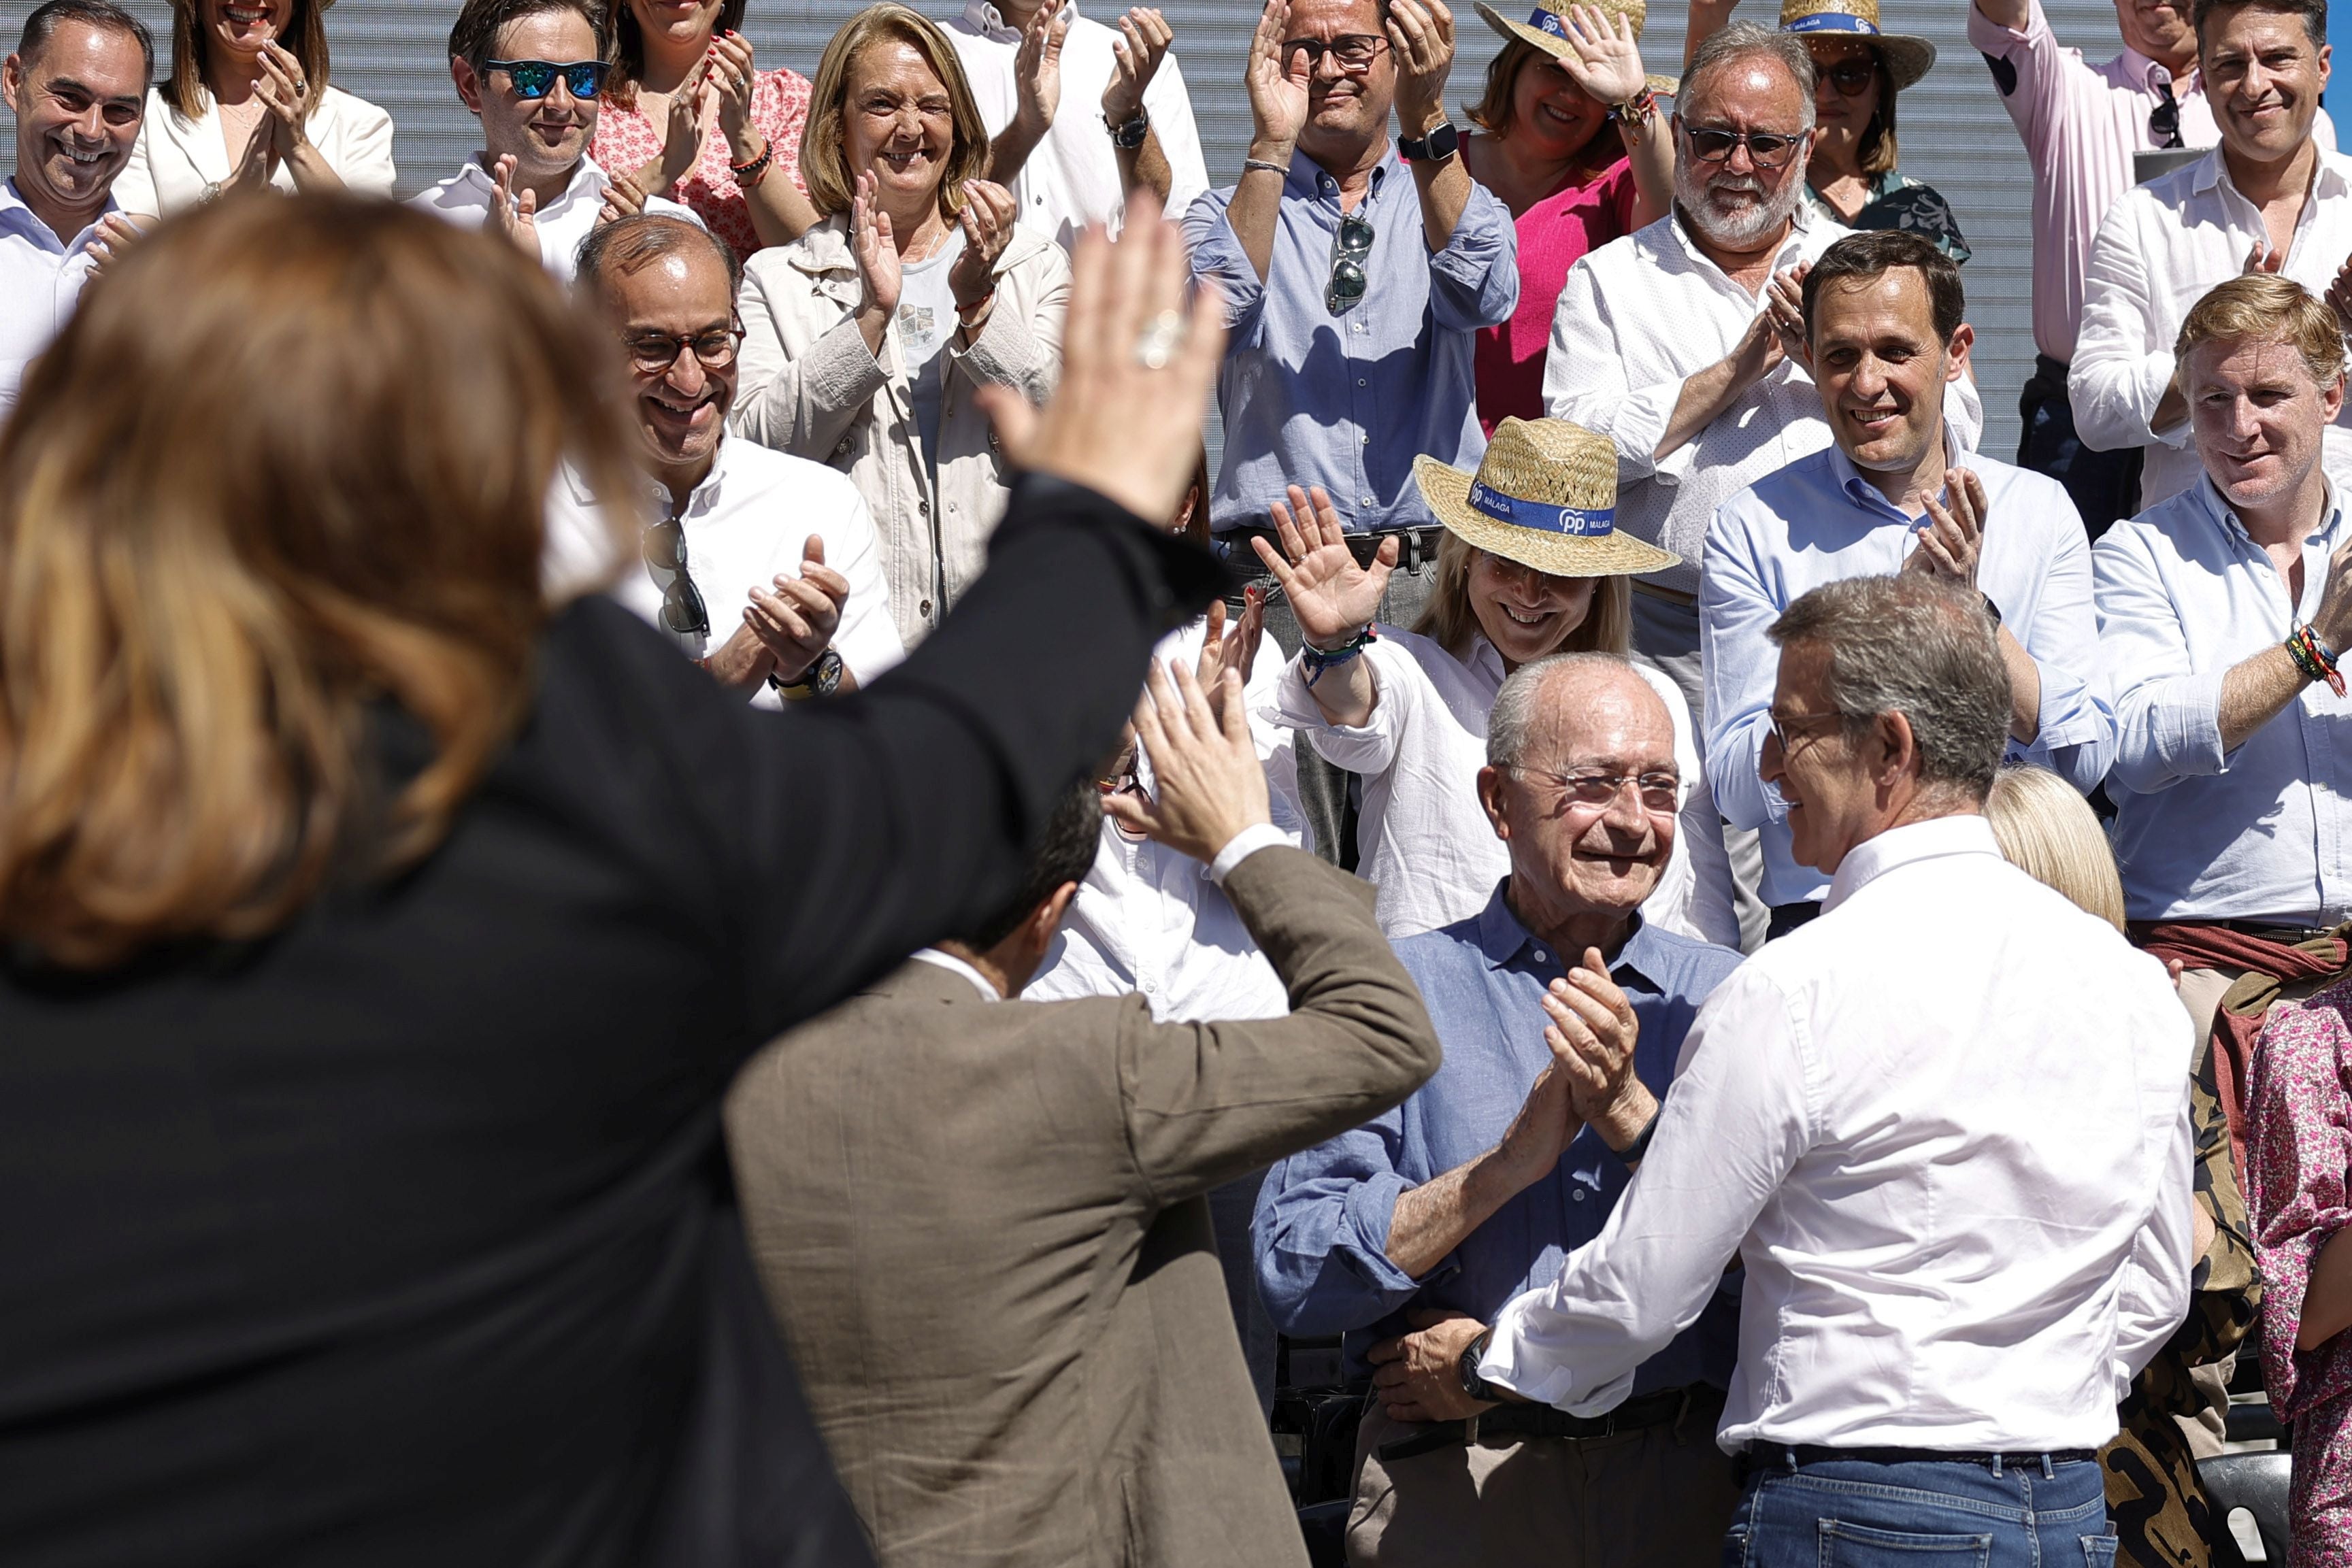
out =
column 2049, row 831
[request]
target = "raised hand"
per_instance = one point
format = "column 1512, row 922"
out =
column 1142, row 42
column 989, row 210
column 1422, row 34
column 117, row 233
column 1278, row 85
column 514, row 217
column 796, row 622
column 1037, row 69
column 1603, row 58
column 1591, row 1033
column 284, row 92
column 877, row 250
column 1331, row 596
column 732, row 76
column 1784, row 307
column 1236, row 650
column 682, row 128
column 1952, row 539
column 1207, row 782
column 624, row 197
column 2262, row 259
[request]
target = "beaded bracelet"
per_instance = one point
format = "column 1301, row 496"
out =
column 749, row 174
column 1318, row 660
column 1636, row 111
column 2314, row 658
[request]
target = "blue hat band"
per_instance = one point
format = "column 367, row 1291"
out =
column 1831, row 22
column 1572, row 520
column 1548, row 22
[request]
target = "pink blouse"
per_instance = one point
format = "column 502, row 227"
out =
column 1553, row 234
column 627, row 138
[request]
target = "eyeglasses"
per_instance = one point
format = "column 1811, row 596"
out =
column 1803, row 726
column 1851, row 77
column 1354, row 52
column 1661, row 794
column 1349, row 246
column 682, row 610
column 653, row 353
column 1766, row 148
column 536, row 78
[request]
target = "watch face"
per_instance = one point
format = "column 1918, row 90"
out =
column 824, row 676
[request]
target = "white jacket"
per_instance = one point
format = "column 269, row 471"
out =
column 178, row 161
column 809, row 386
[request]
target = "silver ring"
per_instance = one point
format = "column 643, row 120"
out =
column 1156, row 345
column 302, row 87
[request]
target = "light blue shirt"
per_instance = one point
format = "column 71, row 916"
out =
column 1347, row 401
column 1818, row 520
column 1320, row 1233
column 2259, row 833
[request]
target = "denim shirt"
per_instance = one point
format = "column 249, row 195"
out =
column 1320, row 1237
column 1347, row 401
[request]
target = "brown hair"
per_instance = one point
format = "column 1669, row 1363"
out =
column 1492, row 113
column 2269, row 308
column 1861, row 259
column 202, row 620
column 474, row 36
column 824, row 164
column 1448, row 620
column 305, row 39
column 629, row 46
column 1877, row 154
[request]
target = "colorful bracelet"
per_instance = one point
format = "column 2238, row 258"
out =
column 1318, row 660
column 749, row 174
column 1637, row 110
column 2314, row 658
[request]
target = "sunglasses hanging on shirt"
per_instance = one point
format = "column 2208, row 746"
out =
column 1350, row 248
column 682, row 610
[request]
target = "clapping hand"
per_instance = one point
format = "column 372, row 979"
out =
column 877, row 251
column 117, row 233
column 514, row 216
column 1603, row 58
column 2262, row 259
column 796, row 622
column 1142, row 42
column 1279, row 85
column 989, row 210
column 1207, row 782
column 1592, row 1032
column 1953, row 536
column 284, row 91
column 1418, row 1377
column 1332, row 597
column 1422, row 34
column 732, row 76
column 682, row 128
column 1784, row 305
column 1236, row 650
column 1037, row 67
column 624, row 197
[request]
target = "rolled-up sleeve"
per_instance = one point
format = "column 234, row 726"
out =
column 2076, row 737
column 1368, row 750
column 2168, row 717
column 2121, row 367
column 1585, row 381
column 1318, row 1238
column 1218, row 259
column 1738, row 664
column 1474, row 282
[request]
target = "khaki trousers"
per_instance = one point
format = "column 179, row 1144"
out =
column 1659, row 1497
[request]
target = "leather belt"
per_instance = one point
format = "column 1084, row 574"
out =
column 1416, row 548
column 1671, row 595
column 1507, row 1424
column 1769, row 1456
column 2266, row 930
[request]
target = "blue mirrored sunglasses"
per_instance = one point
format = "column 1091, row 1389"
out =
column 536, row 78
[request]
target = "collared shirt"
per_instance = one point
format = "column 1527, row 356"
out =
column 1639, row 318
column 1945, row 1127
column 1320, row 1233
column 1426, row 843
column 2163, row 245
column 745, row 525
column 41, row 278
column 1071, row 177
column 564, row 223
column 2263, row 833
column 1819, row 521
column 1348, row 400
column 1152, row 922
column 955, row 965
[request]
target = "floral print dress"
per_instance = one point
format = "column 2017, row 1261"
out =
column 2299, row 1191
column 626, row 138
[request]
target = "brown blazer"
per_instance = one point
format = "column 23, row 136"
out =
column 982, row 1226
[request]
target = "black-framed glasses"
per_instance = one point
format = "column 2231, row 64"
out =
column 1766, row 148
column 653, row 353
column 1354, row 52
column 536, row 78
column 1350, row 248
column 1661, row 794
column 682, row 610
column 1851, row 77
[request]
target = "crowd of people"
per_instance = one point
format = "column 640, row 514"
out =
column 1782, row 984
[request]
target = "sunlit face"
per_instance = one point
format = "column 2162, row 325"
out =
column 1555, row 118
column 1881, row 368
column 681, row 408
column 545, row 136
column 2258, row 417
column 242, row 27
column 897, row 121
column 1845, row 91
column 2264, row 78
column 77, row 105
column 1734, row 202
column 1345, row 104
column 1833, row 802
column 2158, row 29
column 1524, row 612
column 687, row 23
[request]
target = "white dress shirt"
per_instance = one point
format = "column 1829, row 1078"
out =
column 178, row 163
column 2164, row 244
column 1151, row 922
column 1424, row 839
column 2261, row 833
column 564, row 223
column 41, row 278
column 1071, row 178
column 745, row 525
column 1944, row 1128
column 1640, row 317
column 955, row 965
column 1819, row 520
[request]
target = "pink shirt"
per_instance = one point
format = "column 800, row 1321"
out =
column 1553, row 234
column 626, row 140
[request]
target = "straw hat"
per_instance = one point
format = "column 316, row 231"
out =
column 1545, row 495
column 1907, row 57
column 1548, row 31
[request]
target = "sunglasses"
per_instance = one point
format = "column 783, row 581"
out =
column 682, row 610
column 1348, row 280
column 1851, row 77
column 536, row 78
column 1354, row 52
column 1766, row 148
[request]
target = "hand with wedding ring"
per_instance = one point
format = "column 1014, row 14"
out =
column 989, row 211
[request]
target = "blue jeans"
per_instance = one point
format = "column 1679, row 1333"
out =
column 1955, row 1514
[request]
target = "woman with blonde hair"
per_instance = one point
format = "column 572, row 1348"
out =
column 1531, row 565
column 248, row 106
column 378, row 939
column 870, row 340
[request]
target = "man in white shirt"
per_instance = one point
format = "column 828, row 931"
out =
column 1079, row 112
column 2269, row 198
column 1944, row 1128
column 531, row 72
column 763, row 566
column 1886, row 338
column 76, row 88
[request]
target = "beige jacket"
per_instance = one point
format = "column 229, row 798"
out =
column 809, row 386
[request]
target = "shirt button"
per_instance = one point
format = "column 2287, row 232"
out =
column 924, row 608
column 1148, row 988
column 1580, row 1195
column 1540, row 957
column 923, row 508
column 1367, row 501
column 1359, row 381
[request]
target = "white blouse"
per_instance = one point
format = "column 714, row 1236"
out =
column 179, row 162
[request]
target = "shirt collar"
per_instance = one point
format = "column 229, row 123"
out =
column 2150, row 77
column 1502, row 939
column 1867, row 496
column 1965, row 834
column 2327, row 177
column 586, row 179
column 1799, row 221
column 989, row 22
column 16, row 213
column 2224, row 518
column 948, row 961
column 705, row 496
column 1307, row 178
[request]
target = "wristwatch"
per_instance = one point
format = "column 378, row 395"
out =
column 1130, row 135
column 1473, row 1384
column 820, row 679
column 1439, row 142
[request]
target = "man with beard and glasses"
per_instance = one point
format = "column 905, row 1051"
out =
column 531, row 72
column 2270, row 198
column 76, row 88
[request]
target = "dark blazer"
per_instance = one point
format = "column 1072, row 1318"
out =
column 402, row 1237
column 983, row 1226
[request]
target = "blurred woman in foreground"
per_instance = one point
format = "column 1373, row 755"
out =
column 380, row 939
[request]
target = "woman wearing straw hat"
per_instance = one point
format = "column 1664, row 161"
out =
column 1531, row 565
column 1858, row 69
column 1570, row 137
